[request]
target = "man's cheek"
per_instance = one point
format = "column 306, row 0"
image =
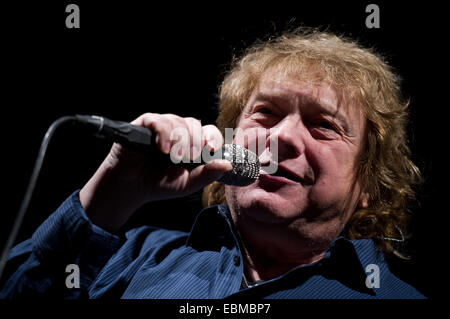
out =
column 329, row 188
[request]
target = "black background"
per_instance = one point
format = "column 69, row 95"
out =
column 131, row 57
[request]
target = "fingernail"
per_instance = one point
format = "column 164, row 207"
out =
column 209, row 143
column 213, row 145
column 167, row 147
column 194, row 152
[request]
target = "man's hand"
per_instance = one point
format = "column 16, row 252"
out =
column 127, row 179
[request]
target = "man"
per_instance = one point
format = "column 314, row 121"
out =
column 328, row 115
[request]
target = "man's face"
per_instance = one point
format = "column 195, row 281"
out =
column 314, row 191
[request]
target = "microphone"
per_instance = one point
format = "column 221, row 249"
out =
column 245, row 163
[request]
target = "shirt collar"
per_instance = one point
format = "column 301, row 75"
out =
column 212, row 230
column 343, row 260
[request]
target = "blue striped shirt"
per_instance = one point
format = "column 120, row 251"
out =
column 148, row 262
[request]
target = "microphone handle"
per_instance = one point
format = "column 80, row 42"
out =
column 245, row 164
column 133, row 137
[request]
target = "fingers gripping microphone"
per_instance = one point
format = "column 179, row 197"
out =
column 245, row 163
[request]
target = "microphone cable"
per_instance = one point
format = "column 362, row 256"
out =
column 246, row 166
column 30, row 189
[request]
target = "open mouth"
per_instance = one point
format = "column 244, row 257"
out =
column 285, row 173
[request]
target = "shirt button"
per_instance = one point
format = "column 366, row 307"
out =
column 236, row 260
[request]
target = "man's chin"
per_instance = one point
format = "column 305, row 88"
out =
column 270, row 212
column 261, row 206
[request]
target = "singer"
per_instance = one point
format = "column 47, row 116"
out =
column 319, row 227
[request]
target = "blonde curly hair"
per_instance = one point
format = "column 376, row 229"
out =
column 384, row 167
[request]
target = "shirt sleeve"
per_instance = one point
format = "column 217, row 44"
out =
column 39, row 265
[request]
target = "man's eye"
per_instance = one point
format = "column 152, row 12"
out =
column 326, row 125
column 324, row 130
column 264, row 110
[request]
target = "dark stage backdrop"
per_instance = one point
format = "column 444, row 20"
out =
column 129, row 57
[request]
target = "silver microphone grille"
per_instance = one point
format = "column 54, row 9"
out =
column 245, row 164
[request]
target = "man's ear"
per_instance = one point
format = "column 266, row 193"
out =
column 363, row 201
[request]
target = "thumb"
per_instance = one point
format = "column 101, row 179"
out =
column 208, row 173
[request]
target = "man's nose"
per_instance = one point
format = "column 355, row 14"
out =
column 288, row 136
